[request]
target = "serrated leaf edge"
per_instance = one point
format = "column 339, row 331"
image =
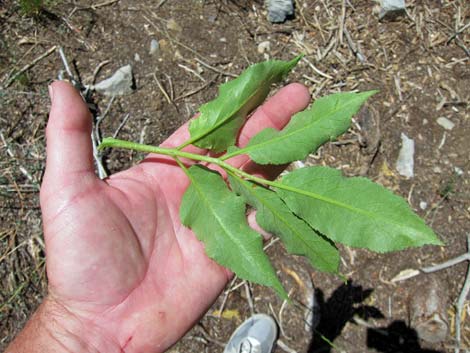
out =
column 247, row 149
column 307, row 245
column 193, row 140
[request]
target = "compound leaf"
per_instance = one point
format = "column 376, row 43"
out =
column 328, row 118
column 354, row 211
column 220, row 119
column 217, row 217
column 275, row 217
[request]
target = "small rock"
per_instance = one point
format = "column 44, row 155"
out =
column 405, row 274
column 428, row 311
column 405, row 161
column 121, row 83
column 154, row 47
column 212, row 18
column 445, row 123
column 391, row 9
column 264, row 47
column 368, row 119
column 278, row 10
column 423, row 205
column 172, row 25
column 137, row 57
column 165, row 47
column 223, row 40
column 458, row 171
column 437, row 170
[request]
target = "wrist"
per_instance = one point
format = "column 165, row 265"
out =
column 53, row 328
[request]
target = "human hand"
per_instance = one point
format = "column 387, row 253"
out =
column 124, row 273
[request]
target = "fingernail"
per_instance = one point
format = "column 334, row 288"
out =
column 51, row 92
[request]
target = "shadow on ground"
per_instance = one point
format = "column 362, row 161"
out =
column 345, row 303
column 398, row 337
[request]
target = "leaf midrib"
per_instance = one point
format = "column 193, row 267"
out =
column 285, row 222
column 217, row 217
column 340, row 204
column 231, row 115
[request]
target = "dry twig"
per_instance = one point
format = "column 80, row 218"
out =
column 225, row 73
column 249, row 298
column 121, row 125
column 29, row 66
column 199, row 89
column 285, row 347
column 164, row 92
column 464, row 292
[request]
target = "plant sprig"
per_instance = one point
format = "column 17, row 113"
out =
column 310, row 209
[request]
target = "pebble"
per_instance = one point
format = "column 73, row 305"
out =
column 119, row 84
column 458, row 171
column 405, row 161
column 264, row 47
column 172, row 25
column 278, row 10
column 154, row 47
column 445, row 123
column 390, row 9
column 212, row 18
column 437, row 170
column 428, row 310
column 137, row 57
column 423, row 205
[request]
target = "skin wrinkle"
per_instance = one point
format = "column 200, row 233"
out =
column 139, row 271
column 70, row 130
column 151, row 180
column 96, row 320
column 52, row 221
column 131, row 225
column 47, row 194
column 84, row 193
column 122, row 305
column 53, row 337
column 144, row 277
column 80, row 321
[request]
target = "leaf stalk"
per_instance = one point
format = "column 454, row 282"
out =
column 176, row 153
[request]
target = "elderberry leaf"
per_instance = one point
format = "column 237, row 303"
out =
column 275, row 217
column 220, row 120
column 217, row 217
column 354, row 211
column 328, row 118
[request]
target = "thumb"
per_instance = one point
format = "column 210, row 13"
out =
column 68, row 134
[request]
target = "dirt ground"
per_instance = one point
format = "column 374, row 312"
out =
column 420, row 62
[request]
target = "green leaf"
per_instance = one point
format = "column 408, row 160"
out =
column 354, row 211
column 275, row 217
column 220, row 119
column 328, row 118
column 217, row 217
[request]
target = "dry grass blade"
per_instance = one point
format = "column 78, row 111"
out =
column 28, row 66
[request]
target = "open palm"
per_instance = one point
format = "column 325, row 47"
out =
column 118, row 258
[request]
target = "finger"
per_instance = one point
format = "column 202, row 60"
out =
column 68, row 133
column 275, row 113
column 180, row 136
column 251, row 218
column 176, row 139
